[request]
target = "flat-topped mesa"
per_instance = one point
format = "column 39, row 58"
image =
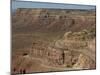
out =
column 51, row 13
column 51, row 20
column 41, row 13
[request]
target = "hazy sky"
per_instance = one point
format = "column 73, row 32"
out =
column 29, row 4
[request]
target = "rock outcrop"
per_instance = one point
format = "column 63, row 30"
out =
column 84, row 62
column 70, row 51
column 60, row 39
column 51, row 20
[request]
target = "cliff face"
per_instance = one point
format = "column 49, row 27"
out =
column 74, row 49
column 53, row 20
column 53, row 39
column 67, row 52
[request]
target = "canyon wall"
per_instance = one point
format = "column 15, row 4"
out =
column 52, row 20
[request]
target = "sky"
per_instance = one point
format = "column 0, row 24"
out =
column 29, row 4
